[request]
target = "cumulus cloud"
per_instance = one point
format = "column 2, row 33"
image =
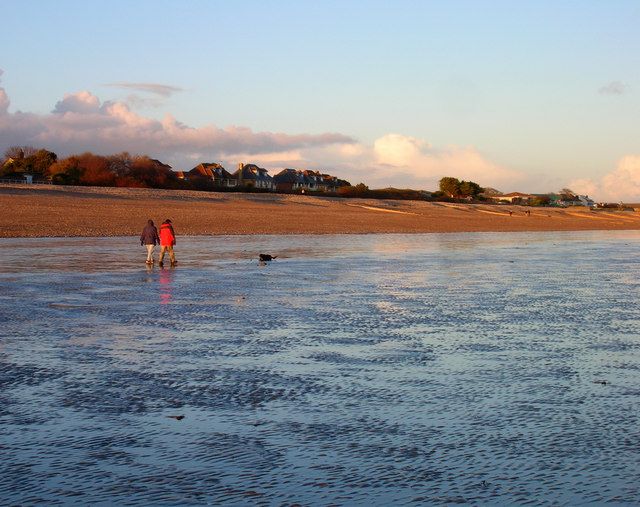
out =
column 80, row 122
column 4, row 102
column 621, row 184
column 613, row 88
column 155, row 88
column 419, row 162
column 81, row 102
column 398, row 161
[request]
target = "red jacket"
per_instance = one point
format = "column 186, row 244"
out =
column 167, row 236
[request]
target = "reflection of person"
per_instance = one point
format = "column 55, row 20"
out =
column 165, row 286
column 167, row 240
column 150, row 239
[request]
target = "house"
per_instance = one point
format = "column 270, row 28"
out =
column 586, row 201
column 333, row 183
column 160, row 165
column 252, row 176
column 513, row 198
column 313, row 180
column 289, row 180
column 294, row 180
column 212, row 172
column 573, row 200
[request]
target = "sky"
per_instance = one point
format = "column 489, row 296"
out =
column 529, row 96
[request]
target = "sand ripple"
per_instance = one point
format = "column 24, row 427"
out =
column 383, row 370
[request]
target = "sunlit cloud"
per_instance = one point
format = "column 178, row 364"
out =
column 81, row 103
column 621, row 184
column 419, row 162
column 81, row 122
column 398, row 161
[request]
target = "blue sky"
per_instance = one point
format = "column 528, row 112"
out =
column 528, row 95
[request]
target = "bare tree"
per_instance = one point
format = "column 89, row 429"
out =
column 19, row 152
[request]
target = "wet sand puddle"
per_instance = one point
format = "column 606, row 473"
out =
column 352, row 370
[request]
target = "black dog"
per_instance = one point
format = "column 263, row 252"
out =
column 267, row 257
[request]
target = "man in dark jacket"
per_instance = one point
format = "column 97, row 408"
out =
column 150, row 238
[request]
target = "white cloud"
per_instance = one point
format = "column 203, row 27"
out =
column 4, row 98
column 584, row 186
column 81, row 102
column 418, row 162
column 4, row 102
column 621, row 184
column 613, row 88
column 81, row 122
column 398, row 161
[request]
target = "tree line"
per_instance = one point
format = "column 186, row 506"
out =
column 142, row 171
column 120, row 170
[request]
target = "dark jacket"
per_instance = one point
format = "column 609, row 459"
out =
column 149, row 235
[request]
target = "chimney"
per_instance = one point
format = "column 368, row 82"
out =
column 240, row 171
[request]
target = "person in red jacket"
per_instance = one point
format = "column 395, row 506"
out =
column 167, row 241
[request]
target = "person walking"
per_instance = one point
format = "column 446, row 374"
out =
column 167, row 241
column 150, row 239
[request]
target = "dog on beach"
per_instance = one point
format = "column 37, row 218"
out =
column 267, row 257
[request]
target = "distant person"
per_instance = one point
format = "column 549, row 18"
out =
column 167, row 241
column 150, row 239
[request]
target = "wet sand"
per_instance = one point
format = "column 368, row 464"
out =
column 57, row 211
column 360, row 370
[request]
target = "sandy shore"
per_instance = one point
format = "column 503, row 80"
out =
column 42, row 211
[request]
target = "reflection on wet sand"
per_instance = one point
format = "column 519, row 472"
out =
column 164, row 280
column 379, row 369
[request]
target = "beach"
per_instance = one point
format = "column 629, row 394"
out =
column 64, row 211
column 373, row 369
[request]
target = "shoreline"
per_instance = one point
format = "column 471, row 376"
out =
column 30, row 211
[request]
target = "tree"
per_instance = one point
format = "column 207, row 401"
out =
column 95, row 171
column 567, row 194
column 360, row 190
column 450, row 186
column 151, row 173
column 65, row 172
column 27, row 159
column 19, row 152
column 120, row 163
column 40, row 161
column 540, row 200
column 470, row 189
